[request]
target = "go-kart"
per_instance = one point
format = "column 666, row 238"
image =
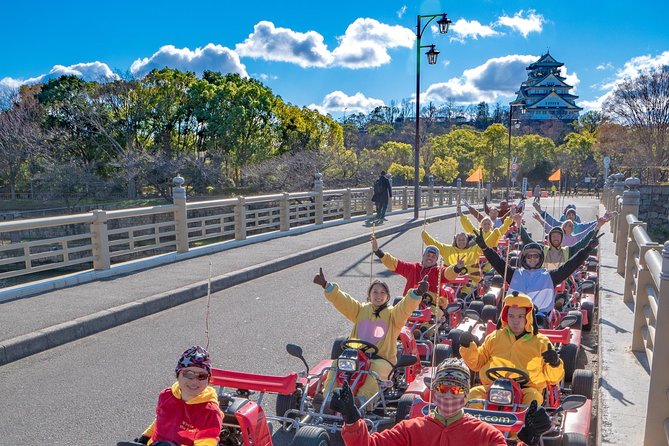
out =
column 308, row 404
column 244, row 420
column 569, row 408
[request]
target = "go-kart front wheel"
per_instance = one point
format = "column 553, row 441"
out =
column 404, row 407
column 574, row 439
column 284, row 403
column 311, row 436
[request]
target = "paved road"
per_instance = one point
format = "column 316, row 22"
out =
column 103, row 388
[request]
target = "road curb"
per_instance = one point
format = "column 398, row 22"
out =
column 44, row 339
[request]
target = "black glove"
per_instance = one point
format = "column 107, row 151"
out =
column 479, row 239
column 537, row 422
column 466, row 338
column 423, row 287
column 594, row 242
column 319, row 279
column 342, row 402
column 143, row 439
column 551, row 357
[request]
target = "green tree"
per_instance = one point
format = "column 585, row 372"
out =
column 445, row 169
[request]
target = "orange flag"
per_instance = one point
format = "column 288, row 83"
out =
column 555, row 176
column 476, row 176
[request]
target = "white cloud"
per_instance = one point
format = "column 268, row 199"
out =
column 524, row 25
column 338, row 101
column 285, row 45
column 604, row 66
column 631, row 70
column 464, row 29
column 364, row 44
column 366, row 41
column 497, row 77
column 570, row 78
column 211, row 57
column 402, row 11
column 88, row 71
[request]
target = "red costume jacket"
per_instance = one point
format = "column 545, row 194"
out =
column 425, row 431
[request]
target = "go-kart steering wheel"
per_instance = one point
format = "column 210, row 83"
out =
column 519, row 376
column 363, row 346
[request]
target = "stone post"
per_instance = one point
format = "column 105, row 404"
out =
column 100, row 241
column 240, row 218
column 630, row 205
column 318, row 199
column 180, row 214
column 284, row 212
column 618, row 189
column 405, row 198
column 657, row 412
column 347, row 204
column 389, row 209
column 430, row 190
column 459, row 192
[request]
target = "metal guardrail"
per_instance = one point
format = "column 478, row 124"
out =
column 100, row 239
column 645, row 266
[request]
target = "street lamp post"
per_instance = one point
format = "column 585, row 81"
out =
column 508, row 153
column 432, row 54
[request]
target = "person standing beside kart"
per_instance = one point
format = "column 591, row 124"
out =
column 413, row 272
column 374, row 321
column 187, row 413
column 531, row 277
column 446, row 424
column 516, row 343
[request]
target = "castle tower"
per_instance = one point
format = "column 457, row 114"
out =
column 545, row 94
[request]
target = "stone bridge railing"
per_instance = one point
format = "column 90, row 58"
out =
column 98, row 240
column 645, row 266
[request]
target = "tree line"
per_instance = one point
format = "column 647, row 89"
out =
column 70, row 139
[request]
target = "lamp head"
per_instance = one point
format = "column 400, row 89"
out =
column 443, row 23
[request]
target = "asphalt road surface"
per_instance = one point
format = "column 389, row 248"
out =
column 103, row 388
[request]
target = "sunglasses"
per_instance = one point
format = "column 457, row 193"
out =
column 443, row 388
column 201, row 376
column 532, row 256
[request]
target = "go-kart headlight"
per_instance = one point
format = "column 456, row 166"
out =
column 501, row 396
column 347, row 365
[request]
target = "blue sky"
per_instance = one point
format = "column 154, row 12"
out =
column 345, row 56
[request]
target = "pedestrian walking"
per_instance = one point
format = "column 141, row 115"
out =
column 382, row 193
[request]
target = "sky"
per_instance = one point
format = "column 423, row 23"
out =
column 340, row 57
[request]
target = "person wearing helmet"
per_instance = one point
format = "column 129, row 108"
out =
column 446, row 424
column 463, row 248
column 569, row 214
column 555, row 253
column 375, row 321
column 530, row 277
column 570, row 237
column 413, row 272
column 187, row 412
column 516, row 343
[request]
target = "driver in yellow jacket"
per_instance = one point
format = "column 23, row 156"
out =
column 376, row 321
column 516, row 343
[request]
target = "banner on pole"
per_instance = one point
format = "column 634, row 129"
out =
column 556, row 176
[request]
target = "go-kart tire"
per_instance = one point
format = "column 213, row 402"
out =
column 476, row 305
column 489, row 299
column 454, row 336
column 578, row 325
column 311, row 436
column 582, row 383
column 574, row 439
column 568, row 354
column 590, row 311
column 489, row 313
column 285, row 403
column 441, row 352
column 336, row 347
column 404, row 407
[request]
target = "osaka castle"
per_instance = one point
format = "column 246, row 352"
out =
column 545, row 94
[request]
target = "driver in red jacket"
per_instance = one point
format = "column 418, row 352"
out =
column 446, row 425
